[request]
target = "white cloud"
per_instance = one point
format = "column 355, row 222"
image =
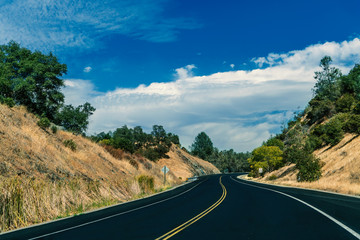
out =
column 48, row 25
column 238, row 109
column 87, row 69
column 232, row 65
column 184, row 72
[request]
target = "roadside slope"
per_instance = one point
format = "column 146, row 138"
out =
column 43, row 179
column 340, row 170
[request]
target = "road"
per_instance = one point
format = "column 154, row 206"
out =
column 215, row 207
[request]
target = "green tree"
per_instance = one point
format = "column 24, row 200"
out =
column 202, row 146
column 351, row 82
column 31, row 79
column 269, row 158
column 326, row 86
column 74, row 119
column 274, row 141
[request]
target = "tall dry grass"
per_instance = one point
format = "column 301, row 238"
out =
column 42, row 177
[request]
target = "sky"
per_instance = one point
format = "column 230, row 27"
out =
column 234, row 69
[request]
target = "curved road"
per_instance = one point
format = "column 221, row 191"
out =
column 215, row 207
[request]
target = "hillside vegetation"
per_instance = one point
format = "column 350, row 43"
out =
column 320, row 147
column 45, row 175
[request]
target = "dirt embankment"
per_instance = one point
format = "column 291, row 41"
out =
column 340, row 170
column 42, row 178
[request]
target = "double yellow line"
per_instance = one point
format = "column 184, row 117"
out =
column 197, row 217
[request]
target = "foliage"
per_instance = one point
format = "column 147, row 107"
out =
column 146, row 183
column 326, row 86
column 274, row 141
column 345, row 103
column 31, row 79
column 333, row 132
column 319, row 109
column 202, row 146
column 309, row 168
column 54, row 129
column 44, row 122
column 70, row 144
column 74, row 119
column 8, row 101
column 229, row 160
column 351, row 82
column 352, row 124
column 269, row 158
column 272, row 177
column 152, row 146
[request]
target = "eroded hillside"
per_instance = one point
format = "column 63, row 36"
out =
column 42, row 178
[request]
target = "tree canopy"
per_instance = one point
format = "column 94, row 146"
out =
column 202, row 146
column 31, row 79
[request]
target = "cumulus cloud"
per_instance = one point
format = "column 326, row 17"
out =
column 185, row 72
column 237, row 109
column 48, row 25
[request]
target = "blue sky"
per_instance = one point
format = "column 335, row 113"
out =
column 234, row 69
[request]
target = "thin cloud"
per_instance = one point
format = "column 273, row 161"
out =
column 237, row 109
column 87, row 69
column 48, row 25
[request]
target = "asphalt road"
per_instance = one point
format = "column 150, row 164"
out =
column 215, row 207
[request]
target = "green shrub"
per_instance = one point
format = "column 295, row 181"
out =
column 345, row 103
column 318, row 109
column 70, row 144
column 352, row 125
column 8, row 101
column 309, row 168
column 146, row 183
column 151, row 154
column 272, row 177
column 313, row 142
column 44, row 122
column 54, row 129
column 333, row 132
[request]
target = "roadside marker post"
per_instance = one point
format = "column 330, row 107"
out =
column 165, row 170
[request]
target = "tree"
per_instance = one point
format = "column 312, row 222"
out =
column 267, row 157
column 31, row 79
column 74, row 119
column 202, row 146
column 326, row 86
column 351, row 82
column 274, row 141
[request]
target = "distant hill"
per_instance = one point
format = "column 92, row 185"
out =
column 45, row 175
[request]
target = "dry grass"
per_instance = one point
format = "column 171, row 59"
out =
column 340, row 172
column 42, row 179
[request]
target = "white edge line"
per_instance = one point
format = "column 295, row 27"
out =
column 355, row 234
column 118, row 214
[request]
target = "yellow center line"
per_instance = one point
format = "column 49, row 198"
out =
column 197, row 217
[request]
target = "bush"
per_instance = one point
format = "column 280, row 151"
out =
column 309, row 168
column 313, row 143
column 8, row 101
column 151, row 154
column 272, row 177
column 320, row 109
column 352, row 125
column 146, row 183
column 345, row 103
column 70, row 144
column 333, row 132
column 294, row 153
column 44, row 122
column 54, row 129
